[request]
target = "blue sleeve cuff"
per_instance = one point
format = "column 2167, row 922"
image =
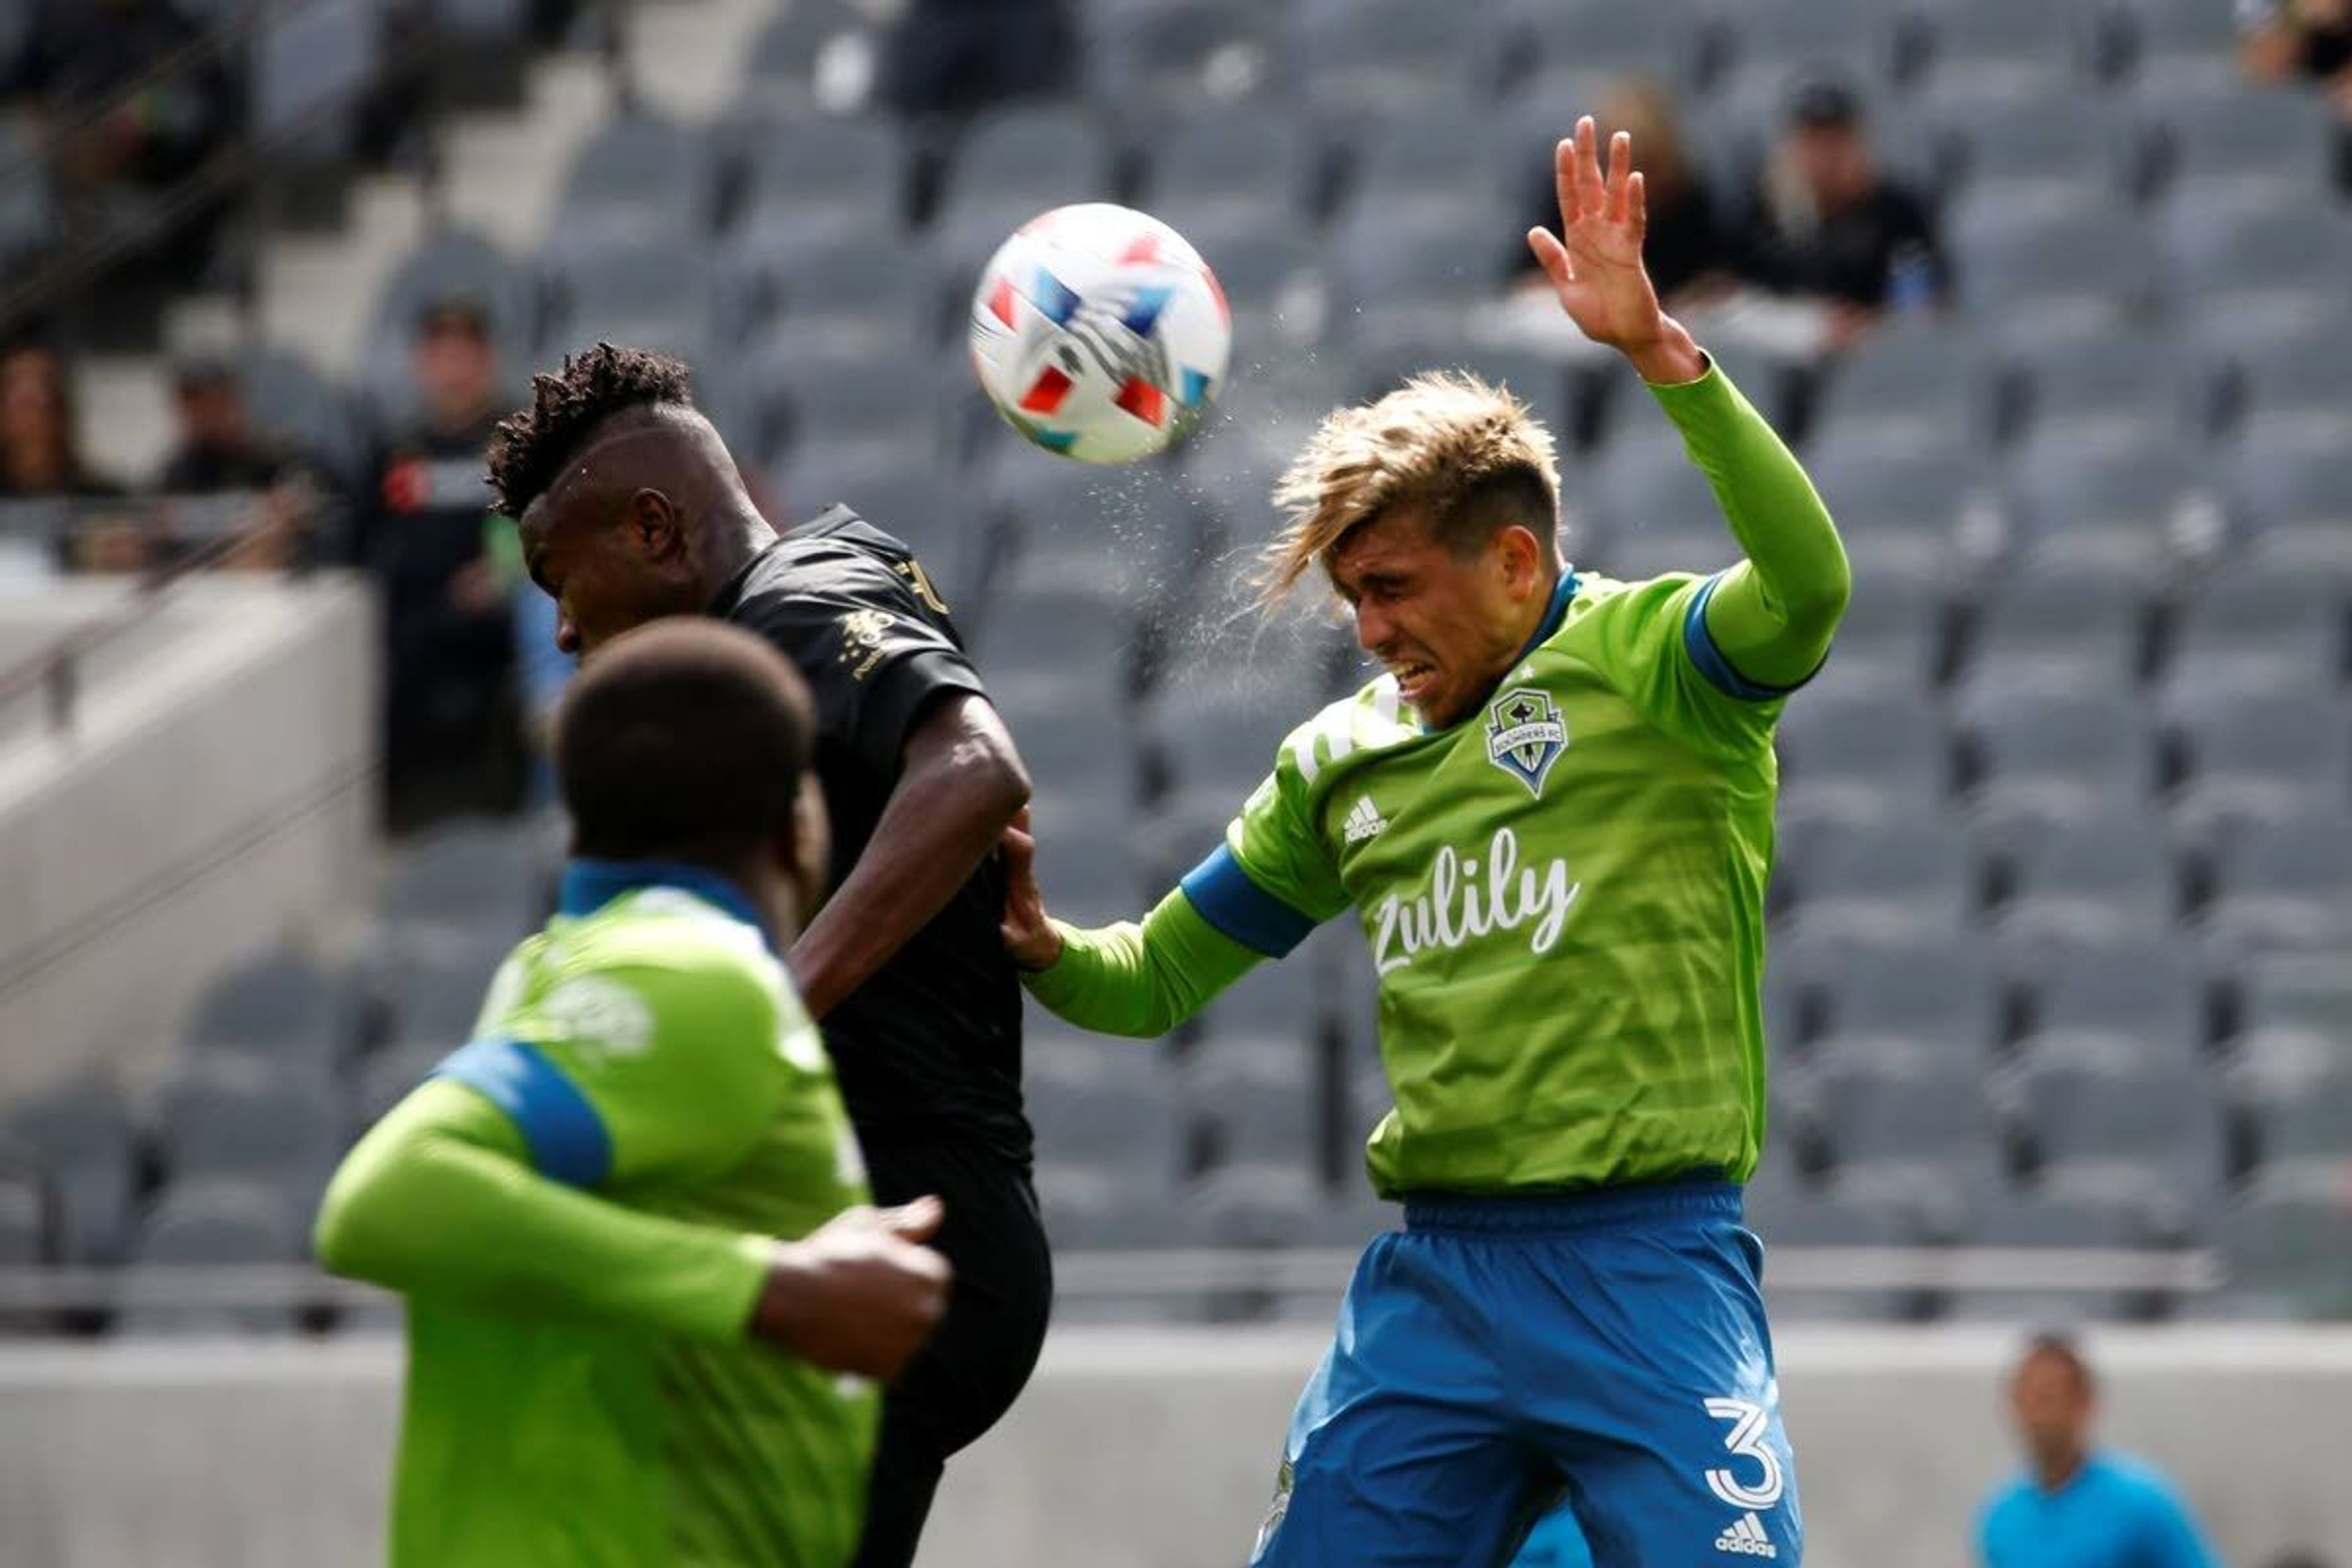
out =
column 1709, row 658
column 567, row 1139
column 1238, row 908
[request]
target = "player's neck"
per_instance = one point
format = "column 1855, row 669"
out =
column 2054, row 1470
column 730, row 540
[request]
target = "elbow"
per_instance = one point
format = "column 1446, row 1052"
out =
column 1819, row 606
column 349, row 1236
column 998, row 778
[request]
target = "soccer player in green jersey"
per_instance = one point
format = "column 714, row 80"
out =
column 644, row 1296
column 1553, row 819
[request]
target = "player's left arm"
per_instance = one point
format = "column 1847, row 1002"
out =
column 1769, row 618
column 2173, row 1538
column 961, row 780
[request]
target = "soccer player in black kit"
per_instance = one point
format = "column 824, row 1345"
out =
column 629, row 509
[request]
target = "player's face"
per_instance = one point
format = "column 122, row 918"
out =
column 605, row 576
column 2051, row 1406
column 1447, row 626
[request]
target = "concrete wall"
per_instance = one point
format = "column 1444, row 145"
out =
column 214, row 793
column 1150, row 1449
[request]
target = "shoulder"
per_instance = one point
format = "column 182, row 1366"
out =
column 2134, row 1479
column 1600, row 600
column 660, row 953
column 2001, row 1505
column 1374, row 718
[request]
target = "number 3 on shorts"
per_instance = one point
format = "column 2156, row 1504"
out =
column 1750, row 1423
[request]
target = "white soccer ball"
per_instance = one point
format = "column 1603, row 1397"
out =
column 1099, row 334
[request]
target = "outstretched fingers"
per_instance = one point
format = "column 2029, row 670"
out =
column 1621, row 176
column 1591, row 189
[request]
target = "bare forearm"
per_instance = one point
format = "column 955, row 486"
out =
column 960, row 789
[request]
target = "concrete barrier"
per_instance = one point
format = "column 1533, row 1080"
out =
column 1154, row 1449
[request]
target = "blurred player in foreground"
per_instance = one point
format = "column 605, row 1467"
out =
column 1553, row 816
column 612, row 1358
column 629, row 507
column 2077, row 1505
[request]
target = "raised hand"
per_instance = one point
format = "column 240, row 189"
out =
column 1595, row 261
column 1028, row 935
column 860, row 1293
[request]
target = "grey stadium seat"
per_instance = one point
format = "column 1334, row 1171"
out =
column 236, row 1114
column 27, row 216
column 1102, row 1103
column 2222, row 257
column 1420, row 281
column 1927, row 1007
column 1912, row 878
column 2146, row 1127
column 2053, row 631
column 2259, row 757
column 1656, row 512
column 1274, row 281
column 2131, row 389
column 2060, row 758
column 1175, row 58
column 2291, row 499
column 1911, row 515
column 790, row 55
column 281, row 1006
column 1010, row 166
column 1854, row 756
column 1435, row 165
column 1253, row 1095
column 2057, row 1223
column 1801, row 1218
column 2256, row 630
column 308, row 63
column 1782, row 37
column 2300, row 1004
column 486, row 876
column 2300, row 1112
column 1375, row 56
column 1913, row 385
column 216, row 1223
column 1089, row 858
column 1232, row 170
column 641, row 294
column 1656, row 40
column 2218, row 129
column 82, row 1135
column 2284, row 884
column 2281, row 382
column 2062, row 271
column 1216, row 724
column 2129, row 1003
column 2093, row 884
column 2291, row 1245
column 1131, row 531
column 290, row 401
column 434, row 991
column 2030, row 46
column 28, row 1236
column 839, row 420
column 817, row 183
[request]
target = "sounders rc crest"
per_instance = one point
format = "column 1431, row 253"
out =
column 1525, row 735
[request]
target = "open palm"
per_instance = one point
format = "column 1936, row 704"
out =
column 1595, row 260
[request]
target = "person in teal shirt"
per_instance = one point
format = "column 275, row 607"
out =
column 2077, row 1506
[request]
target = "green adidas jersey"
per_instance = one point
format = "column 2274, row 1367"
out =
column 651, row 1051
column 1563, row 894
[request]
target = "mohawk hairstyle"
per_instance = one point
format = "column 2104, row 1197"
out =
column 532, row 444
column 1469, row 451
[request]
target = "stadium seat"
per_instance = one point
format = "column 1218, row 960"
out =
column 1241, row 168
column 1009, row 167
column 1280, row 295
column 235, row 1113
column 279, row 1005
column 1915, row 385
column 309, row 62
column 2299, row 1110
column 2282, row 378
column 1219, row 717
column 2052, row 270
column 808, row 59
column 840, row 422
column 2156, row 30
column 1099, row 1101
column 2227, row 261
column 2140, row 1127
column 2298, row 1005
column 1915, row 515
column 2289, row 1245
column 817, row 185
column 1169, row 59
column 1779, row 38
column 940, row 522
column 28, row 216
column 2283, row 885
column 1656, row 512
column 82, row 1136
column 2291, row 501
column 2258, row 757
column 1853, row 755
column 2215, row 130
column 1931, row 1007
column 1090, row 859
column 1657, row 40
column 1252, row 1094
column 1910, row 879
column 431, row 991
column 1797, row 1218
column 2091, row 884
column 1368, row 59
column 2030, row 48
column 645, row 292
column 2053, row 631
column 1406, row 283
column 2121, row 1005
column 28, row 1237
column 2254, row 630
column 2130, row 390
column 2055, row 760
column 2055, row 1223
column 1131, row 531
column 2128, row 509
column 484, row 875
column 215, row 1222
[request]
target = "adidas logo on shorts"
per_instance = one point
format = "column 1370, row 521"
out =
column 1746, row 1538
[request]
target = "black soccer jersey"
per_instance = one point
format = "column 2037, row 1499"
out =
column 931, row 1043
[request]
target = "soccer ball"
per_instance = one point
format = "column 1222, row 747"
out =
column 1099, row 333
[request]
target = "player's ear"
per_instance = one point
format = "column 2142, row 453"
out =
column 653, row 526
column 1522, row 557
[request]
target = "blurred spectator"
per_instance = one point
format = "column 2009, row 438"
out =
column 1825, row 223
column 255, row 487
column 1689, row 254
column 2077, row 1506
column 2281, row 39
column 951, row 59
column 424, row 532
column 40, row 455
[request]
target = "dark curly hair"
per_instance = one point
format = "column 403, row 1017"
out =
column 532, row 445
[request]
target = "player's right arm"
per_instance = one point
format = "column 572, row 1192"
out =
column 1257, row 896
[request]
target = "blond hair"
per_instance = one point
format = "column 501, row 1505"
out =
column 1446, row 440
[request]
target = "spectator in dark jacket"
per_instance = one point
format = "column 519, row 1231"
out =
column 423, row 534
column 1824, row 223
column 2281, row 40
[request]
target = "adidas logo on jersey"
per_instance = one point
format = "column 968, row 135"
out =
column 1364, row 820
column 1746, row 1538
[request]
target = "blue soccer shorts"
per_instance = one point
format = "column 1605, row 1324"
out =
column 1500, row 1358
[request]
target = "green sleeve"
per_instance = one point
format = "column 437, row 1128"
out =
column 1771, row 617
column 440, row 1198
column 1141, row 979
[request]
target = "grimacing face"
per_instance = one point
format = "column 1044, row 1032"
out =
column 1447, row 628
column 606, row 575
